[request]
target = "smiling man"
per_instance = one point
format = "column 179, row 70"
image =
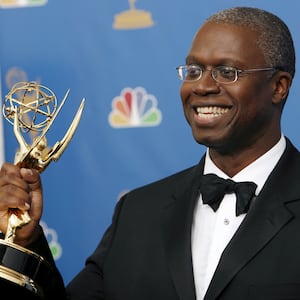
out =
column 235, row 87
column 225, row 229
column 236, row 80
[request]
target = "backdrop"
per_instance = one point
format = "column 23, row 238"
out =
column 121, row 56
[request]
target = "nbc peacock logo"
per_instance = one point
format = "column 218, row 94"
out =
column 21, row 3
column 134, row 108
column 52, row 238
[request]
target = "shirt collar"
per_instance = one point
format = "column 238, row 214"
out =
column 258, row 171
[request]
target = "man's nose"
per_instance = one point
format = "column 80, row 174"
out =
column 206, row 84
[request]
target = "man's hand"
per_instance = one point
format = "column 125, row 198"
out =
column 20, row 191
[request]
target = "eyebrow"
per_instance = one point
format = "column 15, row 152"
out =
column 219, row 62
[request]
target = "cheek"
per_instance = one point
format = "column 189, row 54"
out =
column 247, row 98
column 254, row 106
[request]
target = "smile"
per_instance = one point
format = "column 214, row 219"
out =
column 211, row 111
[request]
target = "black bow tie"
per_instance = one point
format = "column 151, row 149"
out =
column 213, row 188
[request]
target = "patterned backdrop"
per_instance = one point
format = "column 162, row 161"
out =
column 120, row 56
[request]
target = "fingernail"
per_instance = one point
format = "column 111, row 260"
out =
column 27, row 171
column 27, row 206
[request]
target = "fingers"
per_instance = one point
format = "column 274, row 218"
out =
column 14, row 190
column 20, row 190
column 9, row 169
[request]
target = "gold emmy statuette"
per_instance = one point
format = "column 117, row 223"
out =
column 31, row 108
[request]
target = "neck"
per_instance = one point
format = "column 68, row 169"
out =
column 232, row 162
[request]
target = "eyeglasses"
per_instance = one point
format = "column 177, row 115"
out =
column 221, row 74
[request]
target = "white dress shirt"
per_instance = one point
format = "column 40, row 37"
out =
column 211, row 231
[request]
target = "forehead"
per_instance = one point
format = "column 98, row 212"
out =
column 226, row 42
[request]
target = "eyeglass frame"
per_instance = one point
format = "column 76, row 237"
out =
column 214, row 70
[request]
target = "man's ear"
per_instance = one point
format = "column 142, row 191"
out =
column 282, row 82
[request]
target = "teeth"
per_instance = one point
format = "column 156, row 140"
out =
column 211, row 111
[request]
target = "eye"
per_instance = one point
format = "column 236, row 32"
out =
column 227, row 73
column 193, row 72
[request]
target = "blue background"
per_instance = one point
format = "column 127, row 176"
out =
column 72, row 44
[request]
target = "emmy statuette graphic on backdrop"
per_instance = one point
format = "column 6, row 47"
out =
column 133, row 18
column 31, row 108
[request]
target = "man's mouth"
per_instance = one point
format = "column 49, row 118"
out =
column 211, row 111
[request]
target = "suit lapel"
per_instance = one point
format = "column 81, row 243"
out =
column 177, row 221
column 254, row 233
column 263, row 221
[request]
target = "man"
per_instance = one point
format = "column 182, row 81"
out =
column 165, row 242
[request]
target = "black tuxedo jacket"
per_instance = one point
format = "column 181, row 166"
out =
column 146, row 252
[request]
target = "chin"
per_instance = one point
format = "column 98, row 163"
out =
column 208, row 142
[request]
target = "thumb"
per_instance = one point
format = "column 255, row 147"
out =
column 32, row 177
